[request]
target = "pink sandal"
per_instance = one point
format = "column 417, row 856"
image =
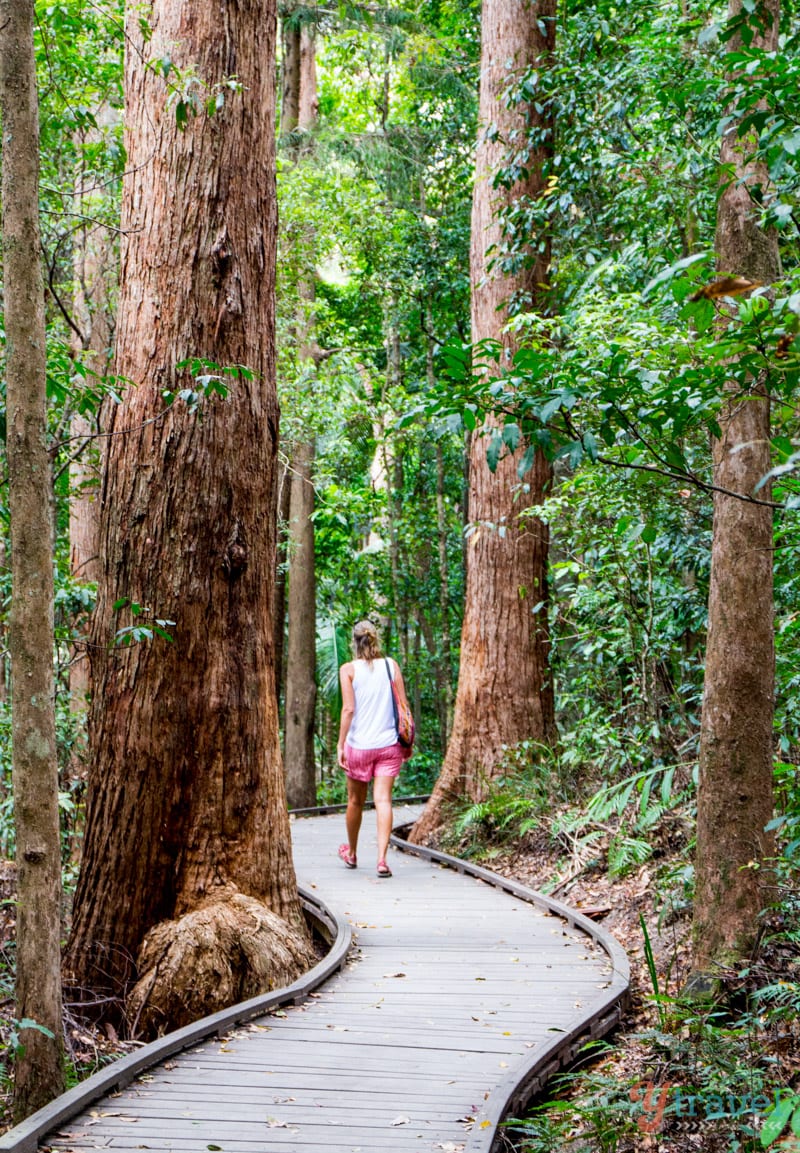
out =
column 383, row 869
column 348, row 857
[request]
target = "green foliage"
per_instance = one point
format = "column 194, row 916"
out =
column 515, row 802
column 713, row 1074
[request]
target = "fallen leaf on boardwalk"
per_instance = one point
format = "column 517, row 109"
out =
column 214, row 1148
column 507, row 1034
column 468, row 1120
column 480, row 978
column 448, row 1147
column 484, row 1124
column 394, row 974
column 401, row 1121
column 274, row 1123
column 504, row 1064
column 283, row 1100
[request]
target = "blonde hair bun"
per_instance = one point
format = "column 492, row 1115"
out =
column 365, row 641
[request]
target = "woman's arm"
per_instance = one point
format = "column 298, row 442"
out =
column 348, row 709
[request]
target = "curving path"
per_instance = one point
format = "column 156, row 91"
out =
column 457, row 1000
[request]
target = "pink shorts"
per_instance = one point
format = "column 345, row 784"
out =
column 364, row 764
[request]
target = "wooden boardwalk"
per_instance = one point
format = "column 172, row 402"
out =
column 452, row 990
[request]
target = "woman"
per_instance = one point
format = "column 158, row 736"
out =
column 368, row 747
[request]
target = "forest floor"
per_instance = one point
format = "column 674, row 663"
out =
column 675, row 1076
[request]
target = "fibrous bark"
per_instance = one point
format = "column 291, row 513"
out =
column 38, row 1068
column 227, row 950
column 186, row 804
column 504, row 694
column 735, row 792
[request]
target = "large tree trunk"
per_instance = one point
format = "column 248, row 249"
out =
column 735, row 792
column 504, row 692
column 300, row 112
column 186, row 809
column 38, row 1068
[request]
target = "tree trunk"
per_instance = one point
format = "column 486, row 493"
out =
column 92, row 253
column 95, row 265
column 284, row 504
column 186, row 808
column 39, row 1071
column 301, row 686
column 735, row 792
column 3, row 626
column 504, row 692
column 443, row 660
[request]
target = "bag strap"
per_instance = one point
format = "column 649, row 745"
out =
column 393, row 692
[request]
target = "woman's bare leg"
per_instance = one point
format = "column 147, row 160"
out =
column 356, row 796
column 382, row 795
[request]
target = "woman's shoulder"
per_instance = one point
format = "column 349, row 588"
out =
column 347, row 669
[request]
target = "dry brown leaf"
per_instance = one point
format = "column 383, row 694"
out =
column 725, row 286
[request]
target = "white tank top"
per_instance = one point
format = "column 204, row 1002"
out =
column 372, row 726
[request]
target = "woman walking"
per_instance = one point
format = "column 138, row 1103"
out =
column 368, row 747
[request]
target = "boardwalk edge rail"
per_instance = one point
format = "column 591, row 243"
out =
column 25, row 1137
column 511, row 1096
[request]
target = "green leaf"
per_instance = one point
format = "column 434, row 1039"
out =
column 776, row 1120
column 29, row 1023
column 526, row 464
column 590, row 446
column 494, row 451
column 649, row 533
column 511, row 436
